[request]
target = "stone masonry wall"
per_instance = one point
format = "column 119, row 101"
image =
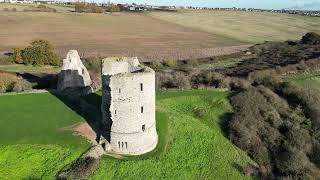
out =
column 129, row 103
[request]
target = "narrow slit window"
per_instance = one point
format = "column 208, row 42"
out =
column 122, row 144
column 119, row 144
column 82, row 71
column 119, row 90
column 115, row 111
column 141, row 109
column 126, row 145
column 143, row 127
column 141, row 87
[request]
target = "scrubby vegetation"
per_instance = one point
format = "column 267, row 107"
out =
column 40, row 52
column 7, row 81
column 277, row 122
column 280, row 137
column 88, row 8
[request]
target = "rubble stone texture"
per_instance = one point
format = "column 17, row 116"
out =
column 73, row 74
column 128, row 105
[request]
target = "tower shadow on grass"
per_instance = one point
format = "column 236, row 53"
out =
column 88, row 107
column 84, row 103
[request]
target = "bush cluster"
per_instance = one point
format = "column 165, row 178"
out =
column 88, row 8
column 115, row 8
column 278, row 54
column 40, row 52
column 279, row 137
column 7, row 81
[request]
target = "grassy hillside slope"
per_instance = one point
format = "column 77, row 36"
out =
column 192, row 146
column 32, row 141
column 250, row 27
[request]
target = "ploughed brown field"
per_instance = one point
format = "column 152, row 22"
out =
column 125, row 34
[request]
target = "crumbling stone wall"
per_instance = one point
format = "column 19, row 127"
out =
column 73, row 74
column 128, row 105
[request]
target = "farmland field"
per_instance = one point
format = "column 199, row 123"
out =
column 249, row 27
column 130, row 34
column 32, row 141
column 194, row 147
column 152, row 35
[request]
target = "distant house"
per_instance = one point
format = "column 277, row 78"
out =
column 18, row 1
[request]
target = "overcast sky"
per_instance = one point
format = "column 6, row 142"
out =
column 266, row 4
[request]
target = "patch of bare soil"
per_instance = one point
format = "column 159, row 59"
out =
column 86, row 131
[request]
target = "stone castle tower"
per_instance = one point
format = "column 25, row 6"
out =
column 128, row 105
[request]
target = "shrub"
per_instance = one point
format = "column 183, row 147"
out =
column 170, row 63
column 7, row 81
column 21, row 85
column 41, row 6
column 41, row 52
column 88, row 8
column 311, row 38
column 17, row 55
column 114, row 8
column 175, row 79
column 14, row 9
column 6, row 9
column 266, row 77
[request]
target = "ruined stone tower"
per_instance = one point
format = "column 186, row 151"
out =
column 128, row 105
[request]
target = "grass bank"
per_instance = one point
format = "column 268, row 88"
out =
column 192, row 143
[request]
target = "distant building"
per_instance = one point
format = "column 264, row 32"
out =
column 18, row 1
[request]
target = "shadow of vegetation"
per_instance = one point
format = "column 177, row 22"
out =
column 224, row 123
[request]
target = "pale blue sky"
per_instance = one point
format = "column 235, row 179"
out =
column 267, row 4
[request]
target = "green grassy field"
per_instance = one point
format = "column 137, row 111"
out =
column 250, row 27
column 32, row 141
column 193, row 145
column 29, row 69
column 189, row 123
column 306, row 80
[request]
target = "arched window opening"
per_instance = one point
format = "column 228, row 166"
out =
column 122, row 144
column 126, row 145
column 143, row 127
